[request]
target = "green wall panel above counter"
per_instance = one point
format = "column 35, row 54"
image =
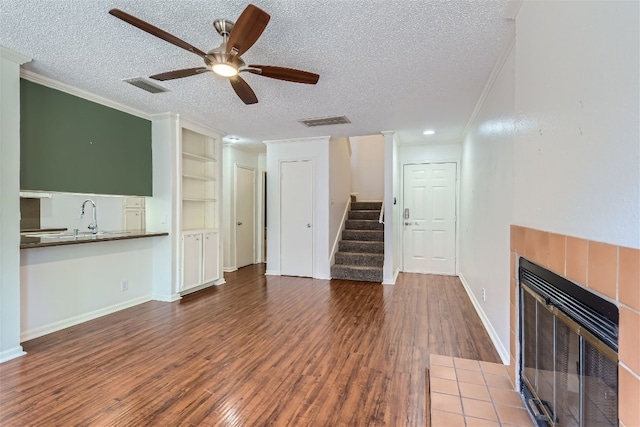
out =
column 74, row 145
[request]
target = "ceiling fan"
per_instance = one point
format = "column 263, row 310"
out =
column 226, row 59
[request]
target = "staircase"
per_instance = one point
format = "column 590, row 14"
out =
column 360, row 253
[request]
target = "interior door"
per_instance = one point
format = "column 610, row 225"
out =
column 296, row 218
column 245, row 216
column 429, row 218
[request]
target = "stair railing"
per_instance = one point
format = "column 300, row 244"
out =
column 381, row 218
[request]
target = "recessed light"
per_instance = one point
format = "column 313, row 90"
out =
column 429, row 132
column 233, row 139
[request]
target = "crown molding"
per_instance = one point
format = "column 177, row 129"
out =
column 13, row 56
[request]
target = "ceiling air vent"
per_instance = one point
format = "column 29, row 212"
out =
column 145, row 84
column 325, row 121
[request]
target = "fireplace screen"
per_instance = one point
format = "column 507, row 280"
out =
column 569, row 370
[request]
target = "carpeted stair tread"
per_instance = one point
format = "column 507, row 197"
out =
column 364, row 235
column 366, row 206
column 364, row 214
column 363, row 224
column 359, row 273
column 360, row 258
column 361, row 246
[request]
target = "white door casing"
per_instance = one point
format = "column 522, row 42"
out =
column 245, row 215
column 429, row 229
column 296, row 218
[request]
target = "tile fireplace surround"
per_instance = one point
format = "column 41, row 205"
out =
column 612, row 272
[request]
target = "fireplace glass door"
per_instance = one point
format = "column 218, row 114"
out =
column 571, row 376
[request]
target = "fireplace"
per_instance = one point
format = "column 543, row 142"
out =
column 568, row 351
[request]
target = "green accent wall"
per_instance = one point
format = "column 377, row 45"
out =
column 73, row 145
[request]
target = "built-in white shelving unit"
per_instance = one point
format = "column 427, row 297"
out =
column 199, row 209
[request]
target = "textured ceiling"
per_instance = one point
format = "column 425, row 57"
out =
column 385, row 64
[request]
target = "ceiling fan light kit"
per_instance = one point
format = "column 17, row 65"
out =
column 225, row 60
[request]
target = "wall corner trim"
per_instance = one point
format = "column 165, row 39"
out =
column 502, row 350
column 13, row 56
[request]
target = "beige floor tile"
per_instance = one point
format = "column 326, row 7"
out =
column 468, row 364
column 470, row 377
column 446, row 403
column 514, row 416
column 477, row 422
column 444, row 372
column 501, row 396
column 436, row 359
column 479, row 409
column 440, row 385
column 498, row 381
column 494, row 368
column 446, row 419
column 474, row 391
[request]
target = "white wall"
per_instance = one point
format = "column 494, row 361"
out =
column 65, row 285
column 367, row 167
column 486, row 205
column 577, row 150
column 555, row 144
column 316, row 149
column 339, row 189
column 429, row 153
column 10, row 204
column 63, row 210
column 232, row 157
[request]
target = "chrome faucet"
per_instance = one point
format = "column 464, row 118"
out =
column 94, row 225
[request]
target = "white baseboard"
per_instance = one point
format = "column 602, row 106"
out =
column 230, row 269
column 220, row 282
column 336, row 242
column 165, row 297
column 271, row 273
column 323, row 277
column 76, row 320
column 395, row 277
column 500, row 348
column 12, row 353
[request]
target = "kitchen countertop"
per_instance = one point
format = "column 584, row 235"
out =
column 39, row 240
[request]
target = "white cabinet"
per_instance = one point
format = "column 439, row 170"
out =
column 200, row 259
column 210, row 257
column 191, row 261
column 133, row 213
column 133, row 219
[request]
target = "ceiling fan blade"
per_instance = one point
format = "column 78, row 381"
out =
column 145, row 26
column 178, row 74
column 243, row 90
column 247, row 29
column 283, row 73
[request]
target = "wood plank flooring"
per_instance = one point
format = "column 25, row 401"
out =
column 257, row 351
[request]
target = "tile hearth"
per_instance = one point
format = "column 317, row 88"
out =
column 471, row 393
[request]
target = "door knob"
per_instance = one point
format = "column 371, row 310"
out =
column 239, row 223
column 308, row 225
column 407, row 223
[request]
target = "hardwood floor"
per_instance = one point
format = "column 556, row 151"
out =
column 259, row 350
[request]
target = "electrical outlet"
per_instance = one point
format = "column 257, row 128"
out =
column 124, row 286
column 484, row 294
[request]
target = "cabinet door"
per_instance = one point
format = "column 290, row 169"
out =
column 133, row 203
column 191, row 261
column 133, row 219
column 211, row 257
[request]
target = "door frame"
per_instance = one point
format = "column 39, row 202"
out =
column 236, row 166
column 457, row 210
column 312, row 162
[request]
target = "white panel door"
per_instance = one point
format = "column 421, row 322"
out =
column 191, row 261
column 429, row 218
column 296, row 218
column 245, row 216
